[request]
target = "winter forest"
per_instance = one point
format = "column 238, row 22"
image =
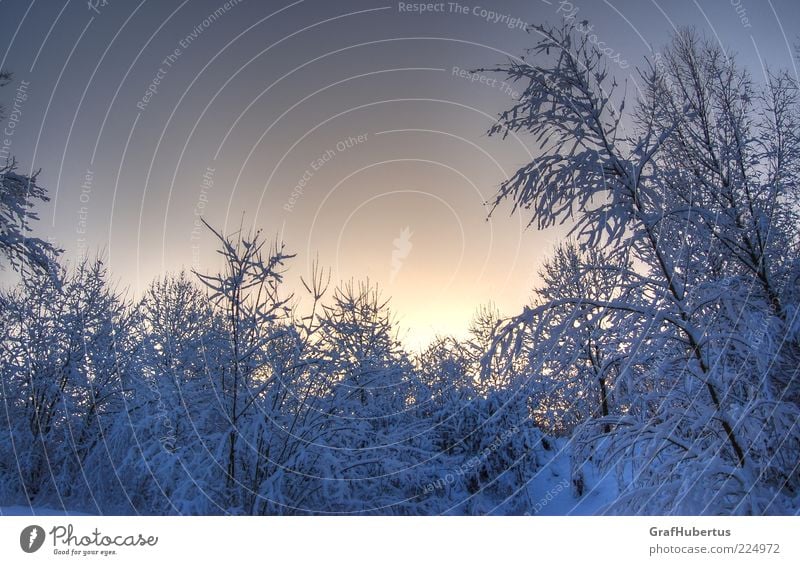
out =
column 655, row 370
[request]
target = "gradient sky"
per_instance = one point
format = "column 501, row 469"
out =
column 253, row 100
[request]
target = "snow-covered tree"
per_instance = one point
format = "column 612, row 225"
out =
column 19, row 194
column 576, row 349
column 66, row 349
column 707, row 433
column 246, row 295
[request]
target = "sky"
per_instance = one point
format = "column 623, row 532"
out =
column 350, row 130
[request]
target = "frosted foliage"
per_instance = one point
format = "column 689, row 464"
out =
column 682, row 304
column 655, row 370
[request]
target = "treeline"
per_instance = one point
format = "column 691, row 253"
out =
column 218, row 396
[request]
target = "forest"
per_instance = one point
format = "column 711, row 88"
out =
column 658, row 360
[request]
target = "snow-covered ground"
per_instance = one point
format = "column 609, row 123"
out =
column 553, row 494
column 551, row 491
column 35, row 511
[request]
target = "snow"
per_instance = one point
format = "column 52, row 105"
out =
column 36, row 511
column 553, row 494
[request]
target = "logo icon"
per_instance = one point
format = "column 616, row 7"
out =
column 31, row 539
column 402, row 247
